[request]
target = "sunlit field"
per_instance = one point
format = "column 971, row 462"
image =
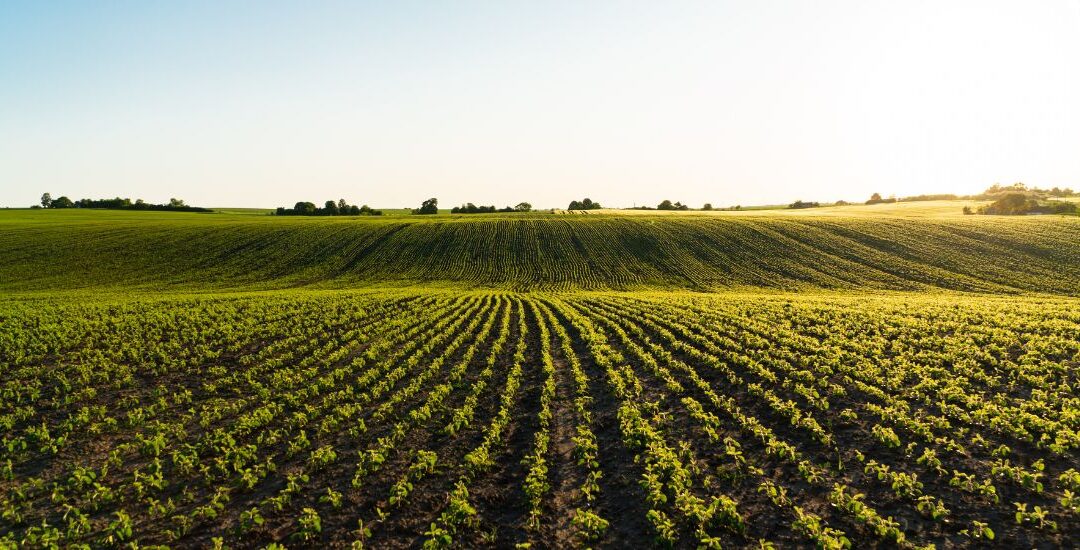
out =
column 554, row 380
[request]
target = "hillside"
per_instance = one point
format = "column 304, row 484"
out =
column 87, row 250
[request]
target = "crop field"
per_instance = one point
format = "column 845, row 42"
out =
column 49, row 250
column 899, row 379
column 434, row 418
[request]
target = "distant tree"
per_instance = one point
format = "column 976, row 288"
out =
column 707, row 206
column 330, row 208
column 586, row 204
column 841, row 203
column 968, row 211
column 876, row 199
column 997, row 190
column 1011, row 204
column 430, row 206
column 123, row 204
column 523, row 207
column 804, row 204
column 1020, row 203
column 470, row 208
column 665, row 205
column 118, row 204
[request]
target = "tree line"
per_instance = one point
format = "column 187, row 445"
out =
column 431, row 206
column 1015, row 198
column 586, row 204
column 1022, row 204
column 330, row 208
column 470, row 208
column 994, row 192
column 668, row 205
column 174, row 205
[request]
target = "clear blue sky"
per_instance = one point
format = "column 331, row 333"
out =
column 268, row 103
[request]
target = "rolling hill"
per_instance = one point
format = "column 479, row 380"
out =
column 172, row 251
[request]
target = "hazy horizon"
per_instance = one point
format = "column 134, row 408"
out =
column 267, row 104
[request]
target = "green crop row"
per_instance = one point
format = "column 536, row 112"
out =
column 191, row 252
column 465, row 418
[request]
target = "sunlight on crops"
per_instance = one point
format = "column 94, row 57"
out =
column 431, row 418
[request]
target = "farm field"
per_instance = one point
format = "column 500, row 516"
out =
column 600, row 380
column 407, row 418
column 46, row 251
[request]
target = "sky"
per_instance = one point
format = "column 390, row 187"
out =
column 267, row 103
